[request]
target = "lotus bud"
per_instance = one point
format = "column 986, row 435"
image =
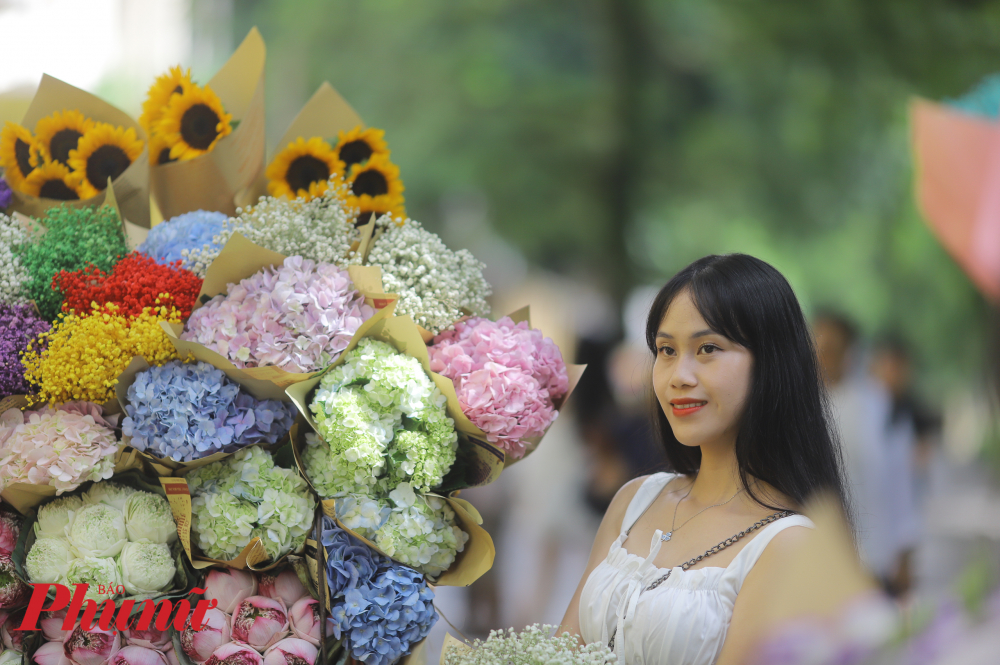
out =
column 138, row 656
column 285, row 586
column 13, row 592
column 235, row 653
column 91, row 647
column 228, row 587
column 13, row 638
column 291, row 651
column 10, row 529
column 51, row 653
column 48, row 561
column 304, row 618
column 97, row 530
column 148, row 519
column 51, row 625
column 10, row 657
column 200, row 645
column 171, row 656
column 110, row 494
column 260, row 622
column 150, row 638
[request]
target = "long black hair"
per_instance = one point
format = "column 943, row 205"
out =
column 784, row 436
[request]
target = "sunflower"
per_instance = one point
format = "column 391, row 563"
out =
column 376, row 187
column 303, row 169
column 174, row 82
column 159, row 151
column 193, row 123
column 59, row 133
column 53, row 180
column 359, row 145
column 103, row 152
column 18, row 153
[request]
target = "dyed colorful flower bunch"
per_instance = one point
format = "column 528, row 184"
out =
column 111, row 536
column 298, row 317
column 168, row 242
column 62, row 447
column 13, row 592
column 13, row 276
column 74, row 238
column 506, row 375
column 245, row 496
column 380, row 609
column 436, row 286
column 19, row 324
column 135, row 283
column 82, row 356
column 188, row 411
column 262, row 619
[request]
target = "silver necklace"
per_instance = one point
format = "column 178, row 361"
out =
column 665, row 537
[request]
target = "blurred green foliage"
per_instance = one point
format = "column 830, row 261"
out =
column 626, row 138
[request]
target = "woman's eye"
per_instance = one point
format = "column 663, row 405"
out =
column 709, row 348
column 666, row 350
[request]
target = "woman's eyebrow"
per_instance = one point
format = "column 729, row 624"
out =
column 700, row 333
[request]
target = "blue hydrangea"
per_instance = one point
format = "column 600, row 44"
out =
column 983, row 100
column 185, row 411
column 379, row 608
column 192, row 230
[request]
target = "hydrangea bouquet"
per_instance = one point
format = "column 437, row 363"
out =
column 167, row 242
column 507, row 377
column 247, row 496
column 186, row 411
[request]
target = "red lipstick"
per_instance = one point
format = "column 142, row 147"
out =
column 685, row 406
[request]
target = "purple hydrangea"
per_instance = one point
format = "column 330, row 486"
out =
column 379, row 608
column 185, row 411
column 19, row 324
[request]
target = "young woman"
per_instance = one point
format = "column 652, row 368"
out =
column 683, row 561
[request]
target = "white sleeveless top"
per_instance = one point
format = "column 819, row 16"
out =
column 684, row 620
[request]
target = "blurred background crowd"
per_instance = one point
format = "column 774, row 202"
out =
column 588, row 149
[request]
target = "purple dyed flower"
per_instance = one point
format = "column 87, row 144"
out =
column 19, row 325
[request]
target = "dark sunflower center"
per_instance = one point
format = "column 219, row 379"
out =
column 370, row 182
column 108, row 161
column 305, row 170
column 57, row 189
column 22, row 152
column 164, row 157
column 177, row 91
column 355, row 152
column 62, row 142
column 198, row 126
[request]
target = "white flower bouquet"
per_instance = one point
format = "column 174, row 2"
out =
column 535, row 645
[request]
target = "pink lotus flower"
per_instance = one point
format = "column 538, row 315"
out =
column 260, row 622
column 200, row 645
column 150, row 638
column 132, row 655
column 171, row 656
column 12, row 638
column 52, row 626
column 235, row 653
column 91, row 647
column 51, row 653
column 291, row 651
column 285, row 586
column 304, row 617
column 10, row 529
column 229, row 587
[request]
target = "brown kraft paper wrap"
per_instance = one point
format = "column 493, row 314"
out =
column 222, row 179
column 241, row 258
column 132, row 186
column 164, row 466
column 479, row 462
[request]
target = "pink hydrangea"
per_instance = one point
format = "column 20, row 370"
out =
column 62, row 446
column 298, row 317
column 507, row 377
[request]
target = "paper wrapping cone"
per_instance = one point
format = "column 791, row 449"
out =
column 131, row 187
column 222, row 179
column 957, row 164
column 324, row 115
column 449, row 643
column 240, row 259
column 478, row 461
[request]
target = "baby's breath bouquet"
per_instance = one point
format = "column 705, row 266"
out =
column 535, row 645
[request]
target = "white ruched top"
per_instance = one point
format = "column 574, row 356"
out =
column 684, row 620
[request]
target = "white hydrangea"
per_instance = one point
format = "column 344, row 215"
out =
column 436, row 286
column 321, row 229
column 12, row 274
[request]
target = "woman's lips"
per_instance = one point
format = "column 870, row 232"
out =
column 687, row 407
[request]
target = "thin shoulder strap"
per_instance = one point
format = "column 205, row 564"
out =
column 644, row 498
column 743, row 562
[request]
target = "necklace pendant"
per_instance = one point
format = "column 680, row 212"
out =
column 666, row 536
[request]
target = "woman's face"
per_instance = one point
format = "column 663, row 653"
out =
column 700, row 377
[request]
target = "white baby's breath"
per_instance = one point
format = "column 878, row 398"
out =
column 12, row 274
column 535, row 645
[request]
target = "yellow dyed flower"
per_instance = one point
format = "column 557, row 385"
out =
column 59, row 133
column 52, row 180
column 82, row 356
column 359, row 145
column 193, row 123
column 302, row 169
column 375, row 187
column 105, row 151
column 18, row 153
column 174, row 82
